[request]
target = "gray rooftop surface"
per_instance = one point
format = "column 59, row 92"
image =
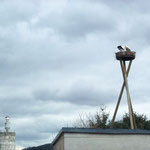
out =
column 100, row 131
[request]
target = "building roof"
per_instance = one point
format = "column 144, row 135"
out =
column 101, row 131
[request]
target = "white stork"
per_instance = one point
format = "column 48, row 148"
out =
column 127, row 49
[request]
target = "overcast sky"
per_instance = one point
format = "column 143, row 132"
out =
column 57, row 60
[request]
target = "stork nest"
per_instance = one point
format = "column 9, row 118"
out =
column 125, row 55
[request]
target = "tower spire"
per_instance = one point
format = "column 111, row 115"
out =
column 7, row 124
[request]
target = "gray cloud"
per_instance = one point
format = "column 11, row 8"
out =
column 80, row 19
column 80, row 93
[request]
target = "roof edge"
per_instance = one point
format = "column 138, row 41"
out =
column 100, row 131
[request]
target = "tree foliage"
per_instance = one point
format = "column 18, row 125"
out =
column 101, row 120
column 141, row 122
column 98, row 120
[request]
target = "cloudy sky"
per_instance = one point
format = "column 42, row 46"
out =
column 57, row 61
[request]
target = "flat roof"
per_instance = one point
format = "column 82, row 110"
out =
column 101, row 131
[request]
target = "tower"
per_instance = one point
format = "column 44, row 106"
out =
column 7, row 138
column 125, row 55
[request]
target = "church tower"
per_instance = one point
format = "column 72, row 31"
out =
column 7, row 138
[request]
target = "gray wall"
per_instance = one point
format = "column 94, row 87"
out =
column 7, row 140
column 59, row 145
column 75, row 141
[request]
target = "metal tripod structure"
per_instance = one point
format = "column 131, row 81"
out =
column 125, row 72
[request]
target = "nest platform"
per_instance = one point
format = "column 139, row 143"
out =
column 125, row 55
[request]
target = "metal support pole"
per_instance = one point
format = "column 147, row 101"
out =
column 120, row 96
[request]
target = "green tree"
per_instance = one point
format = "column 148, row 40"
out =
column 141, row 122
column 100, row 120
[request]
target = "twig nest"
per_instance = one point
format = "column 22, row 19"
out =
column 125, row 55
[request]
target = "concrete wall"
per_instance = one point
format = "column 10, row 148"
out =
column 7, row 140
column 75, row 141
column 59, row 145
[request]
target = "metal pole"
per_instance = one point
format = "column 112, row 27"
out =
column 120, row 96
column 122, row 63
